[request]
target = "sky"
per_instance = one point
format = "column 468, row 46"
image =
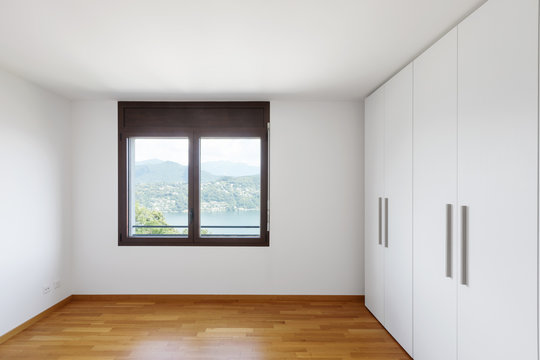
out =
column 245, row 151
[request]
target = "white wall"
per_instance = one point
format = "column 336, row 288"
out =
column 316, row 190
column 35, row 220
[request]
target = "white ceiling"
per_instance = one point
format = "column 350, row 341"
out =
column 218, row 49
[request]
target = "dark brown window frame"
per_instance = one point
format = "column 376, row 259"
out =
column 193, row 120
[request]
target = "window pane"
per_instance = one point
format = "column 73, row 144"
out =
column 158, row 186
column 230, row 187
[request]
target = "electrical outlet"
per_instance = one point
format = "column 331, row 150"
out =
column 57, row 284
column 46, row 289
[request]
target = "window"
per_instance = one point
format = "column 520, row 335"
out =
column 193, row 173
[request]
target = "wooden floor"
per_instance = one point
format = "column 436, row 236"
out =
column 205, row 329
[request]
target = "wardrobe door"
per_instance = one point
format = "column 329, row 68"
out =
column 374, row 194
column 497, row 181
column 435, row 200
column 398, row 215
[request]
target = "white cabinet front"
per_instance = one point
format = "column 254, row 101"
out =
column 497, row 181
column 435, row 201
column 373, row 197
column 398, row 186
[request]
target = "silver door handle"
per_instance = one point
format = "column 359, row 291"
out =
column 385, row 222
column 449, row 240
column 464, row 245
column 380, row 221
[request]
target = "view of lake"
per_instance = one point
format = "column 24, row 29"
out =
column 229, row 186
column 237, row 218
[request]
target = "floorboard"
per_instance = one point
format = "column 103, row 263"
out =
column 205, row 329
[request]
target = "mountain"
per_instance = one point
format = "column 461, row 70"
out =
column 228, row 168
column 163, row 185
column 149, row 162
column 154, row 171
column 159, row 171
column 224, row 194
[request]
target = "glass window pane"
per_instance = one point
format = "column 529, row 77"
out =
column 158, row 186
column 230, row 187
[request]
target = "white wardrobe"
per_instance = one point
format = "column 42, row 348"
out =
column 452, row 187
column 389, row 205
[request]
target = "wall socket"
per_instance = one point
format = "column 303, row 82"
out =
column 46, row 289
column 57, row 284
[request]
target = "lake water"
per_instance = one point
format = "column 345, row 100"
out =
column 239, row 218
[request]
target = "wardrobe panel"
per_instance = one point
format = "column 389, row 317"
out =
column 497, row 181
column 374, row 194
column 398, row 188
column 435, row 200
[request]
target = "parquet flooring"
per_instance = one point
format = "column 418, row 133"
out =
column 205, row 329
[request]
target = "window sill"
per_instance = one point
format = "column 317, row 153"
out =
column 221, row 242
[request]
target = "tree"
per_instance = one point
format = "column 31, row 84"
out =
column 203, row 232
column 147, row 217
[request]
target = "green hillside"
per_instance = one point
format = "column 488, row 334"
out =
column 162, row 185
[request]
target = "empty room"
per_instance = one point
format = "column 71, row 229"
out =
column 257, row 179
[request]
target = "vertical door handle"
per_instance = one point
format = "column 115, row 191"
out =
column 385, row 222
column 380, row 221
column 449, row 240
column 464, row 245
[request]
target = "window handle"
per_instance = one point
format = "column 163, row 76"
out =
column 190, row 215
